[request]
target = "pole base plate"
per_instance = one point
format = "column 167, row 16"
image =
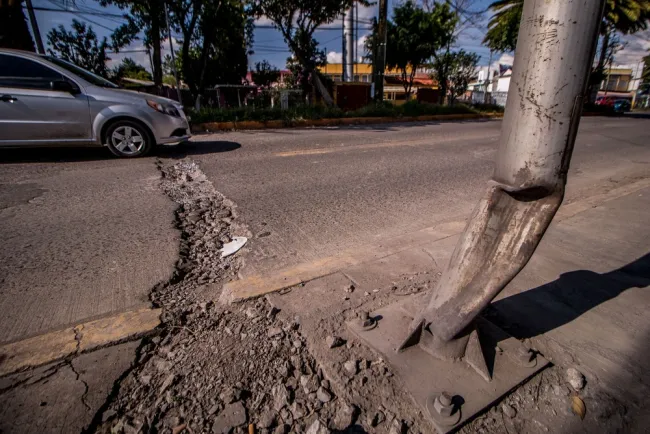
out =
column 425, row 376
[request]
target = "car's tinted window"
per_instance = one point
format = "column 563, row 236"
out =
column 25, row 73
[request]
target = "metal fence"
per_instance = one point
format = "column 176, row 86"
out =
column 498, row 98
column 234, row 96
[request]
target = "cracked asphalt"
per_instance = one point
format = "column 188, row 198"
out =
column 86, row 235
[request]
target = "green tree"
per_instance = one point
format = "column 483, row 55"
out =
column 445, row 20
column 147, row 16
column 14, row 32
column 621, row 16
column 265, row 74
column 168, row 70
column 297, row 20
column 217, row 35
column 462, row 71
column 503, row 27
column 414, row 36
column 128, row 68
column 624, row 16
column 79, row 46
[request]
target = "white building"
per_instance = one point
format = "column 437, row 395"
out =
column 503, row 81
column 482, row 75
column 497, row 81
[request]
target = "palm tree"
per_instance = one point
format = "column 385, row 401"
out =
column 625, row 16
column 503, row 27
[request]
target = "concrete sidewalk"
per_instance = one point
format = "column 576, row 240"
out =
column 582, row 301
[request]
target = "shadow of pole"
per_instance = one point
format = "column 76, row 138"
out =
column 554, row 304
column 619, row 367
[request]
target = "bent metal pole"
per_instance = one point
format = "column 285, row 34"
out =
column 557, row 41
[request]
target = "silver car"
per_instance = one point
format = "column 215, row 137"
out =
column 45, row 101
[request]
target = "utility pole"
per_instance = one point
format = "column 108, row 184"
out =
column 380, row 57
column 637, row 77
column 35, row 30
column 487, row 80
column 555, row 50
column 348, row 45
column 171, row 49
column 556, row 46
column 356, row 39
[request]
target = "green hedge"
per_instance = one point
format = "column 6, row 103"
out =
column 488, row 108
column 384, row 109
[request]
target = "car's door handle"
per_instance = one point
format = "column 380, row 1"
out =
column 8, row 98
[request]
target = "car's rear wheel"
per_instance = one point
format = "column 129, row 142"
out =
column 128, row 139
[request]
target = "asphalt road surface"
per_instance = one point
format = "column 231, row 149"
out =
column 84, row 234
column 308, row 193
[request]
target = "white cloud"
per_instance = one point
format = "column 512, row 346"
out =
column 367, row 13
column 263, row 21
column 334, row 57
column 505, row 59
column 636, row 47
column 337, row 56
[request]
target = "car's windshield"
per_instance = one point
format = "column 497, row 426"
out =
column 86, row 75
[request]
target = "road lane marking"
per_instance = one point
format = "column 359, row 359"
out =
column 83, row 337
column 394, row 144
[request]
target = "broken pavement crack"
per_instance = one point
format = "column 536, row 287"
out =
column 52, row 371
column 86, row 388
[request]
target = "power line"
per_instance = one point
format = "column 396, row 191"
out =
column 337, row 29
column 85, row 18
column 67, row 11
column 107, row 14
column 128, row 51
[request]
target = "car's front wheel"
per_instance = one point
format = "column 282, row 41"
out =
column 128, row 139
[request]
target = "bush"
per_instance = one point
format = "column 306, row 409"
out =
column 374, row 110
column 488, row 108
column 382, row 109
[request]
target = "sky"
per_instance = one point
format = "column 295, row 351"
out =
column 269, row 45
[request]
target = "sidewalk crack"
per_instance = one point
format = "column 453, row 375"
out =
column 86, row 388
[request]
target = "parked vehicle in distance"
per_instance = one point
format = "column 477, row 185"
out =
column 46, row 101
column 622, row 106
column 606, row 100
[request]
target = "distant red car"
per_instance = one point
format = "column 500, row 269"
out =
column 606, row 100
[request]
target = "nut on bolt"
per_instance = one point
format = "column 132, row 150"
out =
column 366, row 321
column 443, row 410
column 443, row 405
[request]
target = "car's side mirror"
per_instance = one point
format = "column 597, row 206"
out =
column 64, row 86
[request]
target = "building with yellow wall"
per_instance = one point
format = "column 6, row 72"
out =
column 393, row 88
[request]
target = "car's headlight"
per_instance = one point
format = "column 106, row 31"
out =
column 167, row 109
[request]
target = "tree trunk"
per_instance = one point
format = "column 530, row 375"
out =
column 14, row 32
column 594, row 84
column 155, row 41
column 322, row 89
column 603, row 50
